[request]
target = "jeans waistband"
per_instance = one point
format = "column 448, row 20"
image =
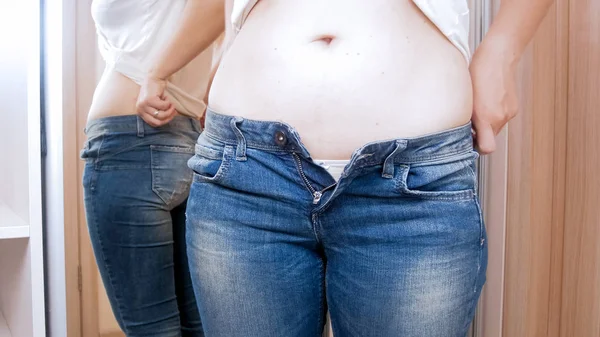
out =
column 135, row 124
column 281, row 137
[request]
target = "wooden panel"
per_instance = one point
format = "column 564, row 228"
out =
column 86, row 83
column 581, row 286
column 560, row 141
column 71, row 180
column 531, row 177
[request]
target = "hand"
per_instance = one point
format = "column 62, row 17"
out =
column 152, row 105
column 495, row 101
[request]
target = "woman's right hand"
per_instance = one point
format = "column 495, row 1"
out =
column 152, row 105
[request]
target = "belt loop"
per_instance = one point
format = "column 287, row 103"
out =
column 240, row 152
column 196, row 125
column 140, row 127
column 388, row 165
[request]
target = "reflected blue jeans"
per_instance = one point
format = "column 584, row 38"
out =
column 396, row 247
column 136, row 183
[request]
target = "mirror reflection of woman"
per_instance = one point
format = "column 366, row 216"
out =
column 142, row 127
column 337, row 168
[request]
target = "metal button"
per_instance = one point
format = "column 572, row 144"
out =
column 280, row 138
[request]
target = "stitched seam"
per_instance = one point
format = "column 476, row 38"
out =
column 460, row 195
column 223, row 168
column 106, row 265
column 97, row 159
column 403, row 190
column 479, row 259
column 208, row 153
column 252, row 145
column 301, row 172
column 430, row 159
column 315, row 226
column 171, row 148
column 321, row 299
column 160, row 192
column 474, row 176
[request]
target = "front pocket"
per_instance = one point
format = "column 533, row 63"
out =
column 171, row 178
column 454, row 180
column 210, row 165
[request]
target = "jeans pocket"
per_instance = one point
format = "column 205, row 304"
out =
column 171, row 178
column 211, row 160
column 452, row 180
column 209, row 165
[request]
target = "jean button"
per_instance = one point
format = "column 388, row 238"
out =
column 280, row 138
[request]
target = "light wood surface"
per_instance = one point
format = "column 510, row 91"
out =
column 86, row 83
column 581, row 279
column 71, row 177
column 561, row 15
column 533, row 189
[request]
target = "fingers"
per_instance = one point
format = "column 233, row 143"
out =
column 170, row 114
column 150, row 105
column 161, row 119
column 156, row 102
column 155, row 111
column 485, row 138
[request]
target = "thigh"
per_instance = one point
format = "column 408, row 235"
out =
column 254, row 265
column 404, row 266
column 132, row 235
column 188, row 309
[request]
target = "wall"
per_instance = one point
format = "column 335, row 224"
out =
column 14, row 177
column 552, row 286
column 581, row 278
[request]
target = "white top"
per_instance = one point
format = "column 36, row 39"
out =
column 450, row 16
column 131, row 33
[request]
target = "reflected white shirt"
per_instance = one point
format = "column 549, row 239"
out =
column 450, row 16
column 131, row 33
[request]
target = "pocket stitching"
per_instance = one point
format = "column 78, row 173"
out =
column 221, row 171
column 161, row 192
column 402, row 187
column 172, row 148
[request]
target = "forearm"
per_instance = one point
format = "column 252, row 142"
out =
column 516, row 23
column 225, row 44
column 201, row 24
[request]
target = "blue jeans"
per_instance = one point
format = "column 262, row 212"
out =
column 136, row 183
column 397, row 247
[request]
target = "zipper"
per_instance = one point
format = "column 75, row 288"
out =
column 317, row 197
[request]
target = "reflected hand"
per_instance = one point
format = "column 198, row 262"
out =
column 495, row 101
column 152, row 104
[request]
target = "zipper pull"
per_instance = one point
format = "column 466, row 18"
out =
column 317, row 197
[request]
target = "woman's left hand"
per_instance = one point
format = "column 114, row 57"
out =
column 495, row 100
column 152, row 105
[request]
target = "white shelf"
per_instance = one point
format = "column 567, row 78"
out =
column 11, row 225
column 4, row 331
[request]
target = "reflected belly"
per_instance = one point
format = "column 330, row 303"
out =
column 344, row 77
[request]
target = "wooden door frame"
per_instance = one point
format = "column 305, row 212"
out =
column 78, row 82
column 536, row 184
column 87, row 65
column 62, row 179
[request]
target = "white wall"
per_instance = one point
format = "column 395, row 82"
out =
column 14, row 59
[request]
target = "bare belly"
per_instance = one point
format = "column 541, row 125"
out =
column 344, row 73
column 115, row 95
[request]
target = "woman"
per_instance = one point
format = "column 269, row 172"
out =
column 337, row 171
column 136, row 181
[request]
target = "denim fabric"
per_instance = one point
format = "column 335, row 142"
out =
column 136, row 183
column 397, row 247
